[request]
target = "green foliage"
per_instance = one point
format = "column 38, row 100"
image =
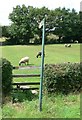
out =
column 51, row 39
column 20, row 30
column 64, row 23
column 21, row 96
column 6, row 76
column 5, row 31
column 64, row 78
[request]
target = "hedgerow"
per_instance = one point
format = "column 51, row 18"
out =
column 64, row 78
column 6, row 76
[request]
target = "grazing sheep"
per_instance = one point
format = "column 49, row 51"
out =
column 39, row 54
column 24, row 60
column 69, row 45
column 75, row 41
column 65, row 45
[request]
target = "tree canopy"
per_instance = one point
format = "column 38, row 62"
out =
column 63, row 23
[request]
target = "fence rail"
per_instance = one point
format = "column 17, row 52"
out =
column 26, row 67
column 25, row 88
column 26, row 83
column 24, row 75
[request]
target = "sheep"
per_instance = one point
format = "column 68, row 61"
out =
column 75, row 41
column 69, row 45
column 24, row 60
column 65, row 45
column 39, row 54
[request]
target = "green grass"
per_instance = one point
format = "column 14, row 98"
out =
column 0, row 113
column 58, row 106
column 54, row 53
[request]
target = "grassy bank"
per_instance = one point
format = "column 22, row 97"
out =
column 53, row 107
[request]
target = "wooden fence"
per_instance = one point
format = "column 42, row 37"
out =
column 24, row 85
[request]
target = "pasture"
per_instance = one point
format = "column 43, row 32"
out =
column 53, row 53
column 54, row 106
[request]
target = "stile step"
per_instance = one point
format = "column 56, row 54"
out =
column 26, row 83
column 24, row 75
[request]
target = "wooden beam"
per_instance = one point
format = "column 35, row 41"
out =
column 26, row 83
column 25, row 88
column 26, row 67
column 24, row 75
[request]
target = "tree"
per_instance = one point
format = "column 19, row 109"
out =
column 61, row 22
column 65, row 24
column 5, row 32
column 36, row 15
column 20, row 30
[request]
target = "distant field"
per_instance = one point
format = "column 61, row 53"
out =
column 56, row 53
column 53, row 53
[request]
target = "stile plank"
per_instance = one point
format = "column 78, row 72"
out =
column 24, row 75
column 26, row 83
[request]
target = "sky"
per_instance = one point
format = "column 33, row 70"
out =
column 6, row 6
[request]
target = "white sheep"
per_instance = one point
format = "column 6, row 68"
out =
column 24, row 60
column 69, row 45
column 75, row 41
column 65, row 45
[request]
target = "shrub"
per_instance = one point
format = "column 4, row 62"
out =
column 51, row 39
column 6, row 76
column 62, row 78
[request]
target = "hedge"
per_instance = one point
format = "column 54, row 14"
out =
column 6, row 76
column 64, row 78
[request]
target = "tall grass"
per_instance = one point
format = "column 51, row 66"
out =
column 54, row 106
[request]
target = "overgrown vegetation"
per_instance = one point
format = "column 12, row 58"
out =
column 54, row 106
column 63, row 78
column 6, row 77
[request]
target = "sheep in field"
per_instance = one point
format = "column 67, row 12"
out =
column 65, row 45
column 24, row 60
column 69, row 45
column 39, row 54
column 75, row 41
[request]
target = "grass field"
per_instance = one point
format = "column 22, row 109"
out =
column 54, row 53
column 54, row 106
